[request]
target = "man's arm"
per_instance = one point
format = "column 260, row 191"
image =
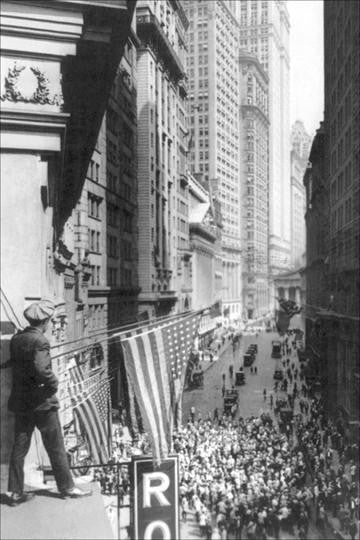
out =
column 42, row 363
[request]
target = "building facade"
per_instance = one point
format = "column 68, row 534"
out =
column 342, row 169
column 254, row 174
column 105, row 221
column 300, row 149
column 205, row 245
column 212, row 70
column 297, row 206
column 163, row 227
column 264, row 31
column 300, row 140
column 317, row 218
column 51, row 86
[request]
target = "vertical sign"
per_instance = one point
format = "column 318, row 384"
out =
column 156, row 499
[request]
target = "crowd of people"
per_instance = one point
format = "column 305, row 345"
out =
column 335, row 490
column 241, row 475
column 248, row 476
column 114, row 479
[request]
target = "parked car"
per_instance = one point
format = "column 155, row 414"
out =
column 230, row 398
column 248, row 359
column 239, row 378
column 278, row 374
column 276, row 349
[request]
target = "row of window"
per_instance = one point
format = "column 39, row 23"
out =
column 341, row 153
column 341, row 183
column 94, row 171
column 342, row 215
column 94, row 204
column 94, row 241
column 113, row 277
column 341, row 118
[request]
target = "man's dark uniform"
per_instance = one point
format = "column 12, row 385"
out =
column 34, row 402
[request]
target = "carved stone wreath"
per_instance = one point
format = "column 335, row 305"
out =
column 42, row 94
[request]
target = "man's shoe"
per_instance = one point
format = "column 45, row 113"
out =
column 75, row 493
column 18, row 498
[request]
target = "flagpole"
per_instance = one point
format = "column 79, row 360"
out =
column 171, row 432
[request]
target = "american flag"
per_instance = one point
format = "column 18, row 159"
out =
column 92, row 411
column 156, row 362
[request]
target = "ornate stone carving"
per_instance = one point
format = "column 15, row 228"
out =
column 62, row 257
column 59, row 324
column 11, row 81
column 42, row 95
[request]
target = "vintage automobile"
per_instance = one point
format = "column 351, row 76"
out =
column 230, row 398
column 239, row 378
column 278, row 374
column 276, row 349
column 253, row 346
column 198, row 379
column 248, row 359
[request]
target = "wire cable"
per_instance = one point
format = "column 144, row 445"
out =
column 123, row 326
column 18, row 325
column 116, row 336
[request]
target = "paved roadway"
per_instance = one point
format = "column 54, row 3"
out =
column 251, row 401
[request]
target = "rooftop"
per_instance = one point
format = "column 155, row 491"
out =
column 47, row 516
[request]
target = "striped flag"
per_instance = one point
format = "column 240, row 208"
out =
column 92, row 411
column 156, row 362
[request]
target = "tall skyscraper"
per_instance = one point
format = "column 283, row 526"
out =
column 212, row 69
column 300, row 149
column 300, row 140
column 332, row 220
column 162, row 197
column 264, row 31
column 342, row 170
column 254, row 176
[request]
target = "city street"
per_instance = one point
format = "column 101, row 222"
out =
column 251, row 400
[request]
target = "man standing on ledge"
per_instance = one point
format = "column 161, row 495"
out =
column 34, row 402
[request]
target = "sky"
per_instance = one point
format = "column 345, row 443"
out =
column 306, row 62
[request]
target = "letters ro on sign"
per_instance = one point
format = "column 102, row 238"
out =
column 156, row 505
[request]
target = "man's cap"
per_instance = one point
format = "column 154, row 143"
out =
column 39, row 311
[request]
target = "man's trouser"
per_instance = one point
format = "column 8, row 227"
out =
column 48, row 424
